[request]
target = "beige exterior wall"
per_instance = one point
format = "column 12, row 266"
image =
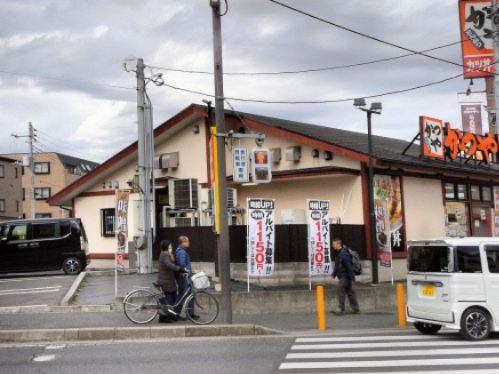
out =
column 58, row 178
column 293, row 194
column 10, row 190
column 424, row 208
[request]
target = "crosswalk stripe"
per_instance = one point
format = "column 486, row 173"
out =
column 396, row 353
column 365, row 338
column 429, row 343
column 390, row 363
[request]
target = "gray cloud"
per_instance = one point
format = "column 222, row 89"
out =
column 87, row 41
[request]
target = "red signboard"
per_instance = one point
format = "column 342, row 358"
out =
column 475, row 19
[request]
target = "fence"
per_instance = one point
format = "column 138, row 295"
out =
column 290, row 241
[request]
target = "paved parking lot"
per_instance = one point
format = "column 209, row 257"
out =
column 33, row 289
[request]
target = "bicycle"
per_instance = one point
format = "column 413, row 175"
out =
column 141, row 306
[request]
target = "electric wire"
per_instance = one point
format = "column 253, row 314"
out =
column 362, row 34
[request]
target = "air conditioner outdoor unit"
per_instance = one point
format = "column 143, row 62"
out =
column 166, row 161
column 183, row 221
column 275, row 155
column 293, row 153
column 231, row 198
column 183, row 194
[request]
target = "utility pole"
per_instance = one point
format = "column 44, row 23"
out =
column 32, row 138
column 495, row 29
column 223, row 247
column 144, row 240
column 32, row 170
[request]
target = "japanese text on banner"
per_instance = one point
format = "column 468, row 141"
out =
column 319, row 251
column 261, row 237
column 121, row 227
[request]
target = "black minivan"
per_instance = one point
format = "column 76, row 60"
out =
column 43, row 244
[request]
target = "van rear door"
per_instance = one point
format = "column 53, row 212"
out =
column 429, row 282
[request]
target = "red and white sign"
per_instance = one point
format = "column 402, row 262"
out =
column 319, row 250
column 261, row 237
column 475, row 19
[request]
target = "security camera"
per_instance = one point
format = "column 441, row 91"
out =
column 260, row 139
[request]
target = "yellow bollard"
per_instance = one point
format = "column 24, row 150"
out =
column 401, row 305
column 321, row 311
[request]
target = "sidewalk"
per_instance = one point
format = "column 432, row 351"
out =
column 288, row 323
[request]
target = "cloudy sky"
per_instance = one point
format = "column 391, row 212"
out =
column 83, row 44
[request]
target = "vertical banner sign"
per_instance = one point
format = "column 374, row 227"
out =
column 389, row 213
column 471, row 115
column 240, row 165
column 475, row 19
column 261, row 237
column 121, row 227
column 496, row 211
column 319, row 251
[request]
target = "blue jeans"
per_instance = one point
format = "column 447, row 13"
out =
column 182, row 287
column 170, row 298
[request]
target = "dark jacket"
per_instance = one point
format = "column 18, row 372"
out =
column 166, row 272
column 182, row 258
column 343, row 265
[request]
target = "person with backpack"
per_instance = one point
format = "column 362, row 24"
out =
column 345, row 271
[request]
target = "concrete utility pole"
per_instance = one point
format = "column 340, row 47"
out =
column 145, row 167
column 495, row 29
column 32, row 138
column 223, row 245
column 32, row 170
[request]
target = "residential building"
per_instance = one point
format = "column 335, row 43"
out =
column 10, row 189
column 428, row 197
column 53, row 172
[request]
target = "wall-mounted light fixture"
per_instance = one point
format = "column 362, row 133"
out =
column 195, row 129
column 315, row 153
column 328, row 155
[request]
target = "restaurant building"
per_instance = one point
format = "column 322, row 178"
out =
column 435, row 187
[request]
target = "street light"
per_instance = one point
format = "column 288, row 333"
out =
column 376, row 109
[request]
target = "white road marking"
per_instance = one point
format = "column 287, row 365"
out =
column 54, row 347
column 390, row 363
column 431, row 343
column 365, row 338
column 32, row 279
column 44, row 358
column 397, row 353
column 29, row 289
column 29, row 292
column 472, row 371
column 24, row 291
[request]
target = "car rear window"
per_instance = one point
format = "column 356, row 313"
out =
column 429, row 259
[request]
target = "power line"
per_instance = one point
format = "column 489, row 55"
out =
column 261, row 101
column 359, row 33
column 67, row 80
column 309, row 70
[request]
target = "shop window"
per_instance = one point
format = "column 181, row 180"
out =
column 486, row 193
column 461, row 192
column 107, row 222
column 475, row 193
column 42, row 167
column 468, row 260
column 450, row 191
column 2, row 171
column 456, row 224
column 493, row 258
column 44, row 230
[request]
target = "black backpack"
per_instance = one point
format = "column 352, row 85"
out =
column 356, row 264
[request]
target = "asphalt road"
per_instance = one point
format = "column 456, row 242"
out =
column 34, row 288
column 400, row 352
column 206, row 356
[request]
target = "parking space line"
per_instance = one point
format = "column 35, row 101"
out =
column 30, row 289
column 32, row 279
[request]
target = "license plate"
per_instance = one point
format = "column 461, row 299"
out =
column 428, row 291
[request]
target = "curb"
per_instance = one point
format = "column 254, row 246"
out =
column 130, row 333
column 72, row 290
column 55, row 309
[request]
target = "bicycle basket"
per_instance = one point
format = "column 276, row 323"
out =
column 200, row 281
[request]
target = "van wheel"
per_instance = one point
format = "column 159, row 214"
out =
column 475, row 324
column 72, row 266
column 427, row 328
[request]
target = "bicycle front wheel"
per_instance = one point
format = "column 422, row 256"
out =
column 202, row 308
column 141, row 306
